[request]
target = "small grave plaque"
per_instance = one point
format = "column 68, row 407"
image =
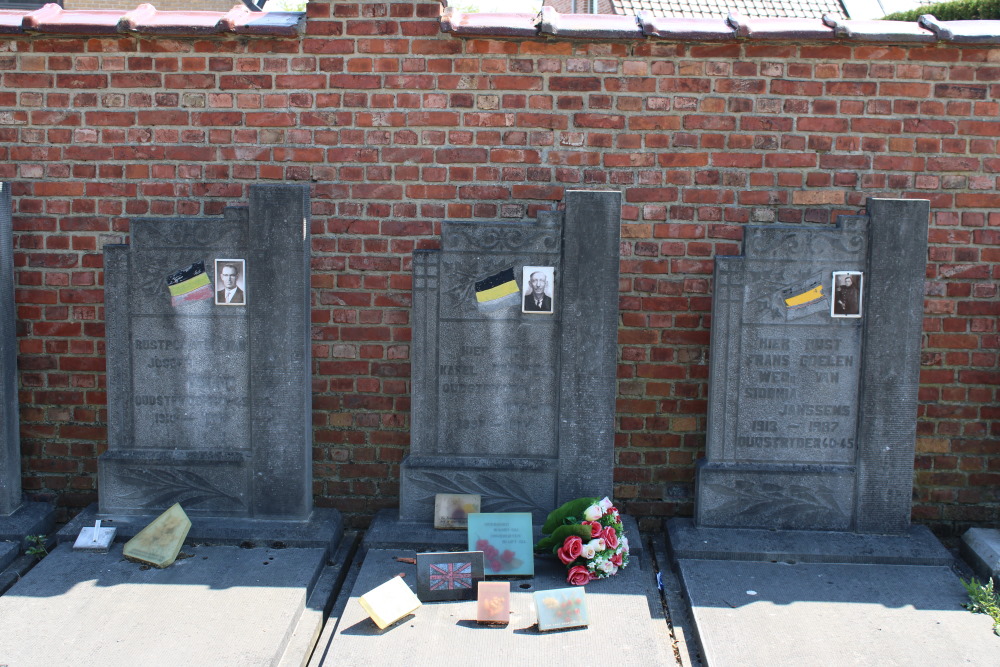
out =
column 209, row 396
column 10, row 449
column 493, row 603
column 448, row 575
column 515, row 332
column 159, row 543
column 505, row 540
column 452, row 510
column 813, row 387
column 389, row 602
column 561, row 608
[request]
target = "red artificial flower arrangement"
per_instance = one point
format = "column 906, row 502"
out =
column 588, row 537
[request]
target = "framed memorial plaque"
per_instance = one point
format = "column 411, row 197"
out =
column 452, row 510
column 561, row 608
column 505, row 540
column 846, row 294
column 538, row 289
column 230, row 282
column 493, row 603
column 448, row 575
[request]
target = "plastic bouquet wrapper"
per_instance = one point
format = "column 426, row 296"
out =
column 587, row 535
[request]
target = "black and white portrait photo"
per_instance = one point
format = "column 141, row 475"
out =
column 230, row 282
column 538, row 288
column 846, row 294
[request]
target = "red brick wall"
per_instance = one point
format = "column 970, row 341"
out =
column 398, row 126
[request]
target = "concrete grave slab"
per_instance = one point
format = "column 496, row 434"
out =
column 917, row 546
column 981, row 549
column 627, row 624
column 219, row 605
column 824, row 614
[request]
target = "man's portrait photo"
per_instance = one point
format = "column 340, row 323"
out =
column 538, row 285
column 846, row 294
column 230, row 282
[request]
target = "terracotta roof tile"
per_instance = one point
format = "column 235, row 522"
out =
column 963, row 32
column 879, row 31
column 591, row 26
column 709, row 29
column 146, row 19
column 512, row 25
column 809, row 9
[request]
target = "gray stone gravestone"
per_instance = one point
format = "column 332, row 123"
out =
column 10, row 449
column 814, row 370
column 513, row 397
column 209, row 401
column 17, row 518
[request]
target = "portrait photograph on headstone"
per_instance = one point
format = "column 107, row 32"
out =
column 846, row 294
column 538, row 289
column 230, row 282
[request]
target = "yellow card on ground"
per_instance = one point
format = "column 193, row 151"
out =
column 389, row 602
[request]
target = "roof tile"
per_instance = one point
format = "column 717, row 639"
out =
column 963, row 32
column 146, row 19
column 592, row 26
column 879, row 31
column 697, row 29
column 507, row 25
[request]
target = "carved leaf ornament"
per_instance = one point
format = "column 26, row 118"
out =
column 808, row 505
column 158, row 488
column 500, row 493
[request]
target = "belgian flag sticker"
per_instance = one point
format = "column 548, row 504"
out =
column 498, row 290
column 189, row 284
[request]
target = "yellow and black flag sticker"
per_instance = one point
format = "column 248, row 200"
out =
column 498, row 290
column 189, row 284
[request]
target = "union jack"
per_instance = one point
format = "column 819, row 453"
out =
column 449, row 576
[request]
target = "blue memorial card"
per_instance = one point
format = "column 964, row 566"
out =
column 505, row 540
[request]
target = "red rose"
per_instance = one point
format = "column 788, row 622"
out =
column 610, row 537
column 595, row 528
column 570, row 550
column 578, row 575
column 616, row 560
column 507, row 556
column 482, row 544
column 491, row 551
column 495, row 565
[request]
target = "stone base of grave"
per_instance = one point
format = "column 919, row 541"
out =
column 215, row 605
column 917, row 546
column 760, row 597
column 981, row 548
column 323, row 529
column 627, row 622
column 28, row 519
column 388, row 531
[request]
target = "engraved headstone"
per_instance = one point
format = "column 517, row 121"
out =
column 18, row 519
column 515, row 330
column 10, row 449
column 814, row 371
column 209, row 397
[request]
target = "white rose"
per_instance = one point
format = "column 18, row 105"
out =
column 605, row 504
column 588, row 552
column 624, row 544
column 606, row 566
column 593, row 513
column 597, row 544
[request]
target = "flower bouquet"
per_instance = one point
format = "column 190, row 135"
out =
column 588, row 537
